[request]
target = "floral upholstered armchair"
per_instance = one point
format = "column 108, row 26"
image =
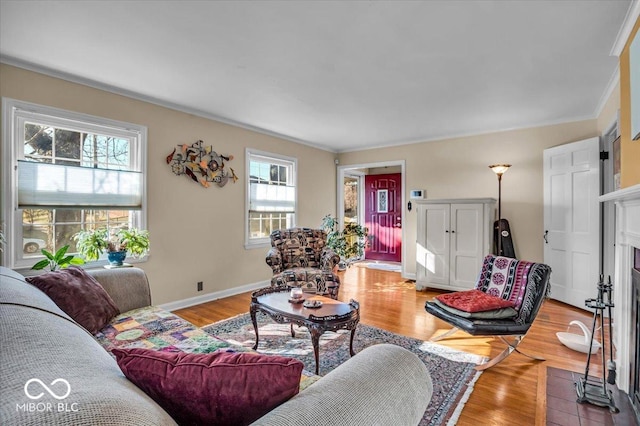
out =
column 300, row 257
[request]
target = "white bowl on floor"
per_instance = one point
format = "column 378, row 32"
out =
column 578, row 342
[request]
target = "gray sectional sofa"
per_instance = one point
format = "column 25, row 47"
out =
column 40, row 344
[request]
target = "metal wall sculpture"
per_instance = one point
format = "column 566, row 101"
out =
column 201, row 163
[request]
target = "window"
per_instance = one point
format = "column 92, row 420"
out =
column 63, row 172
column 271, row 195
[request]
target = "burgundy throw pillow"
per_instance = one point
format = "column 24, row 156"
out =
column 473, row 301
column 221, row 388
column 79, row 295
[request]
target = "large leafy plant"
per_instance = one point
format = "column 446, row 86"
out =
column 135, row 241
column 92, row 243
column 58, row 260
column 349, row 243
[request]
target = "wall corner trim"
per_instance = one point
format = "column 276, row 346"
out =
column 625, row 30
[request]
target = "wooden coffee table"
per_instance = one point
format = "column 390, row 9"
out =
column 331, row 316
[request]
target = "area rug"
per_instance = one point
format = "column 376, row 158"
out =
column 452, row 371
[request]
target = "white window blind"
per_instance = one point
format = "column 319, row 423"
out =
column 61, row 186
column 272, row 198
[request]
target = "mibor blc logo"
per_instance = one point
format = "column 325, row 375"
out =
column 48, row 389
column 36, row 389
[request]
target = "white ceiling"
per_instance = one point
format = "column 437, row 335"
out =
column 337, row 75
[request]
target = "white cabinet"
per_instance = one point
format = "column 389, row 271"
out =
column 453, row 238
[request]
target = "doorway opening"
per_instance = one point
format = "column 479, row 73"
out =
column 353, row 198
column 374, row 207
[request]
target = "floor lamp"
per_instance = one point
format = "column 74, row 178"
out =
column 499, row 170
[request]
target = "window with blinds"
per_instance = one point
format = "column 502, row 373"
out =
column 65, row 172
column 271, row 195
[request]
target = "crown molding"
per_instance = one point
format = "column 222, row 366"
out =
column 29, row 66
column 445, row 137
column 626, row 28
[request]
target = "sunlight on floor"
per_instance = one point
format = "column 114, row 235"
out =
column 479, row 345
column 390, row 287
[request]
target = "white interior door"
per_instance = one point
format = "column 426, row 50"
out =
column 435, row 242
column 572, row 220
column 466, row 244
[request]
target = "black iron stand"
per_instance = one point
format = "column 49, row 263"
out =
column 594, row 391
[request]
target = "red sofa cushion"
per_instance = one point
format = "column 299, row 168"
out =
column 79, row 295
column 473, row 301
column 221, row 388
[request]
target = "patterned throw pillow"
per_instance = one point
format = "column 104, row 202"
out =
column 505, row 278
column 220, row 388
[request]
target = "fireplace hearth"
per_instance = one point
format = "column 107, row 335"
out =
column 626, row 315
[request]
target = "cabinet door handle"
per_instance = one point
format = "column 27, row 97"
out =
column 453, row 232
column 546, row 232
column 447, row 231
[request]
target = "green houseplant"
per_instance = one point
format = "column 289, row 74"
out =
column 349, row 243
column 58, row 260
column 92, row 243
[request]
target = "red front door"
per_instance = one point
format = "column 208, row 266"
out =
column 383, row 216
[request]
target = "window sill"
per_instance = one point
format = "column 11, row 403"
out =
column 257, row 245
column 27, row 271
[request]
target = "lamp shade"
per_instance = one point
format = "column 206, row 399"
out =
column 499, row 169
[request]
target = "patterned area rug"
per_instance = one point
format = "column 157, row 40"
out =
column 452, row 371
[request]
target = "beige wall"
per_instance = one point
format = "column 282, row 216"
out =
column 197, row 234
column 458, row 168
column 629, row 149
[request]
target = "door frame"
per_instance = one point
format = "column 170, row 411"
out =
column 608, row 213
column 567, row 287
column 343, row 170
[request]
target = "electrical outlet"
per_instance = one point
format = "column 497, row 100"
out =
column 199, row 285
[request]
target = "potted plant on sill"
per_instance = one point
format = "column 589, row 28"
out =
column 57, row 260
column 92, row 243
column 348, row 243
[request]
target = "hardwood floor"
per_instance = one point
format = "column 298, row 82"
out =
column 512, row 392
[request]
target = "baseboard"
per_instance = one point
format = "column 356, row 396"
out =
column 191, row 301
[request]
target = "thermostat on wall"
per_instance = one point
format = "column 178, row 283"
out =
column 416, row 194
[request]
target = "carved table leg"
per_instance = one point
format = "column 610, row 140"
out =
column 353, row 333
column 255, row 324
column 316, row 332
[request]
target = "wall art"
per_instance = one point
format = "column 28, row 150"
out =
column 201, row 164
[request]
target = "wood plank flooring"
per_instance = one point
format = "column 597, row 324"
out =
column 513, row 392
